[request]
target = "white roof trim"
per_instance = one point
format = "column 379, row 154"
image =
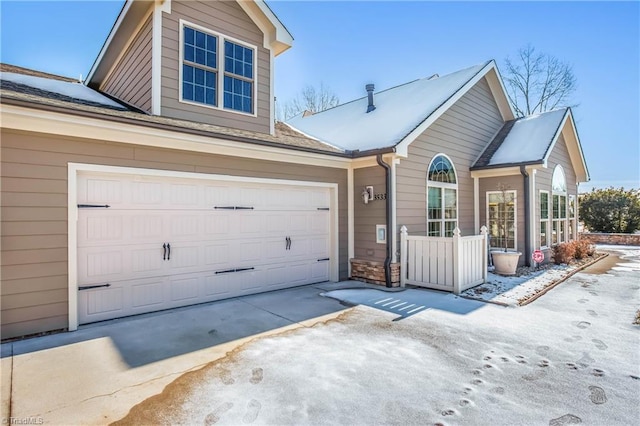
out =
column 569, row 117
column 106, row 44
column 506, row 117
column 276, row 35
column 402, row 148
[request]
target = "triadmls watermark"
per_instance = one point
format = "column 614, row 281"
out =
column 22, row 421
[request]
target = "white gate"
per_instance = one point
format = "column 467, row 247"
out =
column 451, row 264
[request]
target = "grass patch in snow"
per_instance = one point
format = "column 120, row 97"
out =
column 637, row 320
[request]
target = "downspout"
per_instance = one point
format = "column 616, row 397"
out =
column 387, row 259
column 527, row 217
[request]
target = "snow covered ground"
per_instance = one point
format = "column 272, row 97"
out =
column 571, row 357
column 512, row 290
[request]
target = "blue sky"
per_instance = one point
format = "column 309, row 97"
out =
column 348, row 44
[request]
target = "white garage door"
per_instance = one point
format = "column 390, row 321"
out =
column 167, row 242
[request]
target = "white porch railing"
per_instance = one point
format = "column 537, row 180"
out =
column 451, row 264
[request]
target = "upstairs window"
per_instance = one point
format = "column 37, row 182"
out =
column 200, row 67
column 238, row 77
column 216, row 71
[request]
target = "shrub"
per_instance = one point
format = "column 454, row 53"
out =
column 563, row 253
column 583, row 249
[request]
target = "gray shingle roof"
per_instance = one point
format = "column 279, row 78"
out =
column 284, row 137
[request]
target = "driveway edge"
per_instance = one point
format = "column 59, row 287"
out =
column 560, row 281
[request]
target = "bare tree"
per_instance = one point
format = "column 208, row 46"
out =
column 311, row 98
column 538, row 82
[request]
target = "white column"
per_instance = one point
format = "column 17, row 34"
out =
column 403, row 255
column 476, row 203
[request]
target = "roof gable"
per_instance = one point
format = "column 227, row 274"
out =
column 530, row 140
column 135, row 12
column 401, row 114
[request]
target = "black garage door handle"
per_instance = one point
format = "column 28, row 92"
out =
column 169, row 253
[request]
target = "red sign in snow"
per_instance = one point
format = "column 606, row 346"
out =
column 537, row 256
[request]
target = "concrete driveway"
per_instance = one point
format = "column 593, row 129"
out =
column 297, row 358
column 570, row 357
column 96, row 374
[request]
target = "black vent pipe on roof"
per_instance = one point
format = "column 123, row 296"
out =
column 370, row 88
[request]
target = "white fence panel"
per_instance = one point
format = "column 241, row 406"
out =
column 451, row 264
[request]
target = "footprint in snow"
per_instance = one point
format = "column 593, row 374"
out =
column 253, row 409
column 600, row 344
column 214, row 416
column 567, row 419
column 581, row 324
column 598, row 395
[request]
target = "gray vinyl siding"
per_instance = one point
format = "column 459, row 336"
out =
column 367, row 216
column 461, row 133
column 130, row 79
column 228, row 19
column 34, row 213
column 512, row 183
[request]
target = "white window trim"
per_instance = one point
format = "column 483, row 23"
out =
column 444, row 185
column 515, row 213
column 572, row 220
column 545, row 220
column 564, row 194
column 220, row 70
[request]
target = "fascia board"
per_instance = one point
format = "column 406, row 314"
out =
column 508, row 114
column 573, row 146
column 61, row 124
column 497, row 172
column 276, row 36
column 107, row 43
column 583, row 162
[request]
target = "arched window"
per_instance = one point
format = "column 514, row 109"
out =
column 442, row 197
column 559, row 206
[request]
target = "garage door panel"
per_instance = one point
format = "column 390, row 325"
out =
column 185, row 289
column 319, row 247
column 217, row 286
column 147, row 295
column 248, row 197
column 320, row 271
column 183, row 195
column 217, row 223
column 100, row 302
column 102, row 264
column 217, row 254
column 249, row 223
column 184, row 256
column 184, row 227
column 98, row 228
column 145, row 194
column 276, row 224
column 123, row 245
column 146, row 259
column 217, row 195
column 145, row 226
column 100, row 190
